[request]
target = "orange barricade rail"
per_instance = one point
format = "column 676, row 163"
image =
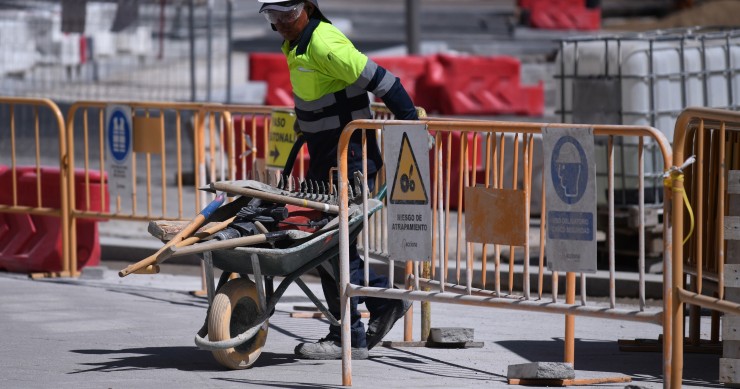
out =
column 34, row 177
column 503, row 275
column 706, row 218
column 178, row 148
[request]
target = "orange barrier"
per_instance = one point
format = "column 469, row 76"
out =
column 31, row 198
column 512, row 283
column 706, row 218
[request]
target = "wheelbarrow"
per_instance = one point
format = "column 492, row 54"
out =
column 236, row 325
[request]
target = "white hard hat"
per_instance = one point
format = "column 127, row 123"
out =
column 283, row 5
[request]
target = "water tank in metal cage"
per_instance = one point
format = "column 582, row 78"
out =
column 644, row 79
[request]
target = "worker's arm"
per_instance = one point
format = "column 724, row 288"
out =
column 396, row 98
column 340, row 58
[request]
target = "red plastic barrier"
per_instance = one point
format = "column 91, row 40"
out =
column 484, row 86
column 31, row 243
column 455, row 172
column 447, row 84
column 272, row 68
column 564, row 15
column 430, row 88
column 409, row 69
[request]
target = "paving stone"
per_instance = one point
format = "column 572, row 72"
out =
column 542, row 370
column 451, row 335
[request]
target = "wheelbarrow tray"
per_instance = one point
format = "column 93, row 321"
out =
column 284, row 261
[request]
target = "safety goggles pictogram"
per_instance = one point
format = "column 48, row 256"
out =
column 280, row 17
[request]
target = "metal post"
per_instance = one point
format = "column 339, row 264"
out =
column 413, row 27
column 229, row 41
column 426, row 306
column 570, row 320
column 209, row 48
column 677, row 309
column 191, row 33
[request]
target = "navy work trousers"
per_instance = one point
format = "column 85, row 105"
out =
column 376, row 306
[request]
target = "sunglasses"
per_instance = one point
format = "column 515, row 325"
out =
column 281, row 17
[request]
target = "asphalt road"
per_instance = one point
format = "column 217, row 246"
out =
column 101, row 331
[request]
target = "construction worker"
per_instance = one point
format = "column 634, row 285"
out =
column 331, row 80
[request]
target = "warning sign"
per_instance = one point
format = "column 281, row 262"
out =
column 409, row 212
column 281, row 138
column 405, row 189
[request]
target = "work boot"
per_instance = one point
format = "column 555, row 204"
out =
column 327, row 349
column 378, row 327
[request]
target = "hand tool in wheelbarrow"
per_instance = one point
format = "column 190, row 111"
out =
column 296, row 236
column 251, row 240
column 148, row 264
column 274, row 197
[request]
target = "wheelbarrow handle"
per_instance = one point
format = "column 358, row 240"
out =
column 193, row 226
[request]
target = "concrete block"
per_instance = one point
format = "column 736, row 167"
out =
column 542, row 370
column 732, row 275
column 731, row 349
column 728, row 370
column 451, row 335
column 731, row 327
column 732, row 294
column 93, row 272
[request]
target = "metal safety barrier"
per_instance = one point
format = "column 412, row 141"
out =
column 706, row 219
column 178, row 148
column 24, row 122
column 495, row 154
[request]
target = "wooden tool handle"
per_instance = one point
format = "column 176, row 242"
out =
column 193, row 226
column 276, row 198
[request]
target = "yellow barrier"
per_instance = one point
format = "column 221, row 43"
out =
column 700, row 243
column 490, row 140
column 39, row 106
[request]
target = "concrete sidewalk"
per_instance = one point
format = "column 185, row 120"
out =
column 104, row 331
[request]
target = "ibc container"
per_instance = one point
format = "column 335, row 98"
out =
column 644, row 79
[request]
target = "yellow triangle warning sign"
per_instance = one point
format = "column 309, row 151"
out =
column 408, row 185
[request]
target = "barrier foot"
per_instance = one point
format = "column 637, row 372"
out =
column 569, row 382
column 55, row 274
column 430, row 344
column 199, row 293
column 656, row 345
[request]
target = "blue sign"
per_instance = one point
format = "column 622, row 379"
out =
column 569, row 169
column 570, row 225
column 119, row 136
column 571, row 204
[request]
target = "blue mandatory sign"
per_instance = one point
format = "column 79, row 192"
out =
column 119, row 136
column 570, row 225
column 569, row 169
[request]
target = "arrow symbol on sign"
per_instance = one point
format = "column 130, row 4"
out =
column 275, row 154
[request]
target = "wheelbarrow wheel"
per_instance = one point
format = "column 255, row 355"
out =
column 233, row 311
